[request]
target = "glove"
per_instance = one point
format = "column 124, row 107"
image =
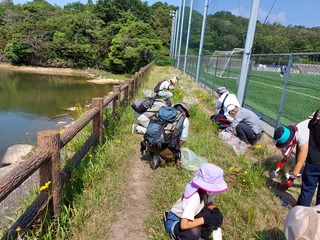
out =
column 214, row 219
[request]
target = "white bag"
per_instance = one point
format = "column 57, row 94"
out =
column 237, row 145
column 217, row 234
column 190, row 160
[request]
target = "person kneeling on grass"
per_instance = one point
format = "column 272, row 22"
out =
column 245, row 125
column 195, row 210
column 179, row 137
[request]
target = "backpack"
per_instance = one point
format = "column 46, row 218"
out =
column 164, row 130
column 157, row 87
column 314, row 139
column 143, row 104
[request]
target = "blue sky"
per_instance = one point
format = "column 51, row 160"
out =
column 285, row 12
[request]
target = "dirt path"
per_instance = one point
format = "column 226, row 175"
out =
column 135, row 207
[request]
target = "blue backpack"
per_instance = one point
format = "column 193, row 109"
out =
column 165, row 130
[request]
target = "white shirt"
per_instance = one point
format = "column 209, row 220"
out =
column 188, row 208
column 302, row 135
column 166, row 85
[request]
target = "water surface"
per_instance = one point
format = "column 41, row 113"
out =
column 33, row 102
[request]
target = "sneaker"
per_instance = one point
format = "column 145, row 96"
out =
column 155, row 162
column 134, row 129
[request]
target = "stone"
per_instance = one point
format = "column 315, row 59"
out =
column 16, row 153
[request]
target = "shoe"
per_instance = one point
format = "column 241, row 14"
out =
column 134, row 129
column 155, row 162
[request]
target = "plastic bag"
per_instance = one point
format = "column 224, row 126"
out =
column 237, row 145
column 148, row 93
column 190, row 160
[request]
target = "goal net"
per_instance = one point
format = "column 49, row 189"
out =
column 221, row 62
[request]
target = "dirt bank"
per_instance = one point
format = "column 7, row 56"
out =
column 44, row 70
column 89, row 73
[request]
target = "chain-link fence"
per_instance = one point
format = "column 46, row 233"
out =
column 212, row 44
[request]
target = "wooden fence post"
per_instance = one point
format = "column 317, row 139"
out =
column 134, row 84
column 116, row 103
column 97, row 121
column 50, row 172
column 127, row 91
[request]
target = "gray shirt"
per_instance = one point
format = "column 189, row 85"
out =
column 248, row 117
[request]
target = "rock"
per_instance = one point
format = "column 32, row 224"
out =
column 16, row 153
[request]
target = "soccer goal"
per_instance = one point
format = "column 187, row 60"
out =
column 221, row 60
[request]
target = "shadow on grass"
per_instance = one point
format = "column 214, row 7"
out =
column 274, row 234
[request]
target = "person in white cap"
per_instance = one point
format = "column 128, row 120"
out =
column 303, row 223
column 245, row 125
column 225, row 99
column 164, row 88
column 195, row 209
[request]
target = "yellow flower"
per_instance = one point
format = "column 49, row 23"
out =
column 45, row 186
column 258, row 146
column 118, row 141
column 18, row 229
column 243, row 180
column 245, row 172
column 61, row 131
column 230, row 169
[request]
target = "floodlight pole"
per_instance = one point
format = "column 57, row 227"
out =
column 181, row 31
column 248, row 49
column 177, row 31
column 188, row 37
column 203, row 30
column 172, row 15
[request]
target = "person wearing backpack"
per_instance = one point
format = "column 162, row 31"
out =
column 164, row 88
column 143, row 119
column 224, row 100
column 311, row 170
column 195, row 209
column 175, row 134
column 293, row 138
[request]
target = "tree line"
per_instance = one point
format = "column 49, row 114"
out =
column 121, row 36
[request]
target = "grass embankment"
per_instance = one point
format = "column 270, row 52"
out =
column 251, row 209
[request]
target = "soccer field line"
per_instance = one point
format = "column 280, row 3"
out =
column 302, row 94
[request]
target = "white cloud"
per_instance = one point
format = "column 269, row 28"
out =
column 262, row 15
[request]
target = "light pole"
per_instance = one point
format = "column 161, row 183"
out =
column 172, row 15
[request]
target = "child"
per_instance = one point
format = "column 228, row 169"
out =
column 195, row 209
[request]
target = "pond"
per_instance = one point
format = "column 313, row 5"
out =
column 32, row 102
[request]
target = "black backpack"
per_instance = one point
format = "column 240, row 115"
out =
column 143, row 104
column 314, row 140
column 164, row 130
column 157, row 87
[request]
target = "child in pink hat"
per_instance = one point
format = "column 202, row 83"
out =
column 195, row 209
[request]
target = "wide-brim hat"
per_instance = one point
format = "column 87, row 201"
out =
column 284, row 136
column 303, row 223
column 210, row 179
column 174, row 80
column 185, row 106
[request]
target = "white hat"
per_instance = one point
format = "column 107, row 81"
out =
column 221, row 90
column 230, row 107
column 303, row 223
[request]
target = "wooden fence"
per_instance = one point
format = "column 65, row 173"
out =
column 46, row 157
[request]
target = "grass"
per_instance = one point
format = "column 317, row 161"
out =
column 91, row 199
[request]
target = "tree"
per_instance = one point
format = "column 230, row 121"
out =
column 134, row 46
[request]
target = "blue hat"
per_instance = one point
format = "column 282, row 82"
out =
column 284, row 135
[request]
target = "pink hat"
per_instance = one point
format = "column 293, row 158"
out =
column 209, row 179
column 303, row 223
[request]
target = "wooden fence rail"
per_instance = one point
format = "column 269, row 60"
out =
column 46, row 157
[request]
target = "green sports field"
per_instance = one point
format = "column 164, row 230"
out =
column 264, row 92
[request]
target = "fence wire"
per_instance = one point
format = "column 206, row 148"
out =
column 281, row 99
